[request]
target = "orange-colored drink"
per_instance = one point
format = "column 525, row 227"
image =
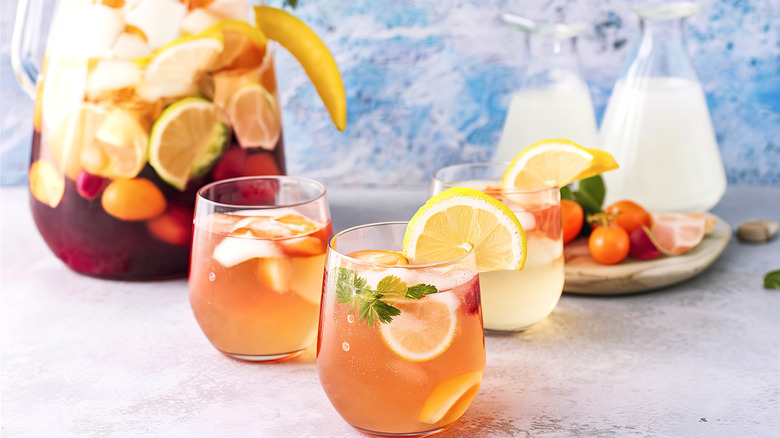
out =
column 256, row 280
column 416, row 373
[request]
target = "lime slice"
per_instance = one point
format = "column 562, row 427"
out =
column 186, row 140
column 424, row 329
column 555, row 163
column 461, row 218
column 184, row 59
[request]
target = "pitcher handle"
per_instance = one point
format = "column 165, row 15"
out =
column 24, row 43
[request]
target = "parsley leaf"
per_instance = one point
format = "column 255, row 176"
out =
column 353, row 289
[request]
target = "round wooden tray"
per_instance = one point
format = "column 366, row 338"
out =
column 586, row 276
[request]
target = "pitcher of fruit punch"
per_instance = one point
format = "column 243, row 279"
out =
column 134, row 112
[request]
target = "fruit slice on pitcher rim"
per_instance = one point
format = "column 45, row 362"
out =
column 451, row 398
column 555, row 163
column 424, row 329
column 457, row 219
column 311, row 52
column 186, row 140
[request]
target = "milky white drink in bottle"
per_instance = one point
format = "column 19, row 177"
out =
column 660, row 132
column 562, row 110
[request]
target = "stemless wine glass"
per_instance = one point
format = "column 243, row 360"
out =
column 258, row 255
column 516, row 300
column 401, row 349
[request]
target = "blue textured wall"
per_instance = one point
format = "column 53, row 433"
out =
column 428, row 83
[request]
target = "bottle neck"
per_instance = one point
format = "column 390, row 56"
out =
column 662, row 50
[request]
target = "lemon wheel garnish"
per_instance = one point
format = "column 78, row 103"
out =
column 183, row 59
column 555, row 163
column 424, row 329
column 311, row 52
column 186, row 140
column 460, row 217
column 450, row 398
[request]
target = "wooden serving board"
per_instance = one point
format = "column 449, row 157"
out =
column 586, row 276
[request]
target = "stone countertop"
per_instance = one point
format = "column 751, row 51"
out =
column 92, row 358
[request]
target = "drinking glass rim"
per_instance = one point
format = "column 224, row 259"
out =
column 315, row 183
column 382, row 265
column 505, row 165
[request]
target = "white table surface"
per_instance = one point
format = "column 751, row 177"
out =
column 92, row 358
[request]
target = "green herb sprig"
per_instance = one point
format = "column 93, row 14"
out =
column 369, row 303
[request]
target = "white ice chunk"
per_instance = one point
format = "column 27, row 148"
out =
column 87, row 30
column 153, row 91
column 234, row 250
column 129, row 47
column 527, row 220
column 198, row 20
column 234, row 9
column 160, row 20
column 109, row 76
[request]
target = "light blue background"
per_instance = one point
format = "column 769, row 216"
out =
column 428, row 84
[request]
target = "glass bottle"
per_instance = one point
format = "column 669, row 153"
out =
column 134, row 113
column 552, row 100
column 657, row 125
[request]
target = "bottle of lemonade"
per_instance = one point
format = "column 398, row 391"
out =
column 134, row 113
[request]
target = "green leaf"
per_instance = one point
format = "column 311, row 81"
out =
column 588, row 204
column 391, row 285
column 346, row 280
column 291, row 3
column 566, row 193
column 419, row 290
column 772, row 280
column 375, row 309
column 595, row 189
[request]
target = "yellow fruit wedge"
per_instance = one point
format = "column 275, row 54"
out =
column 450, row 399
column 555, row 163
column 458, row 219
column 424, row 329
column 47, row 184
column 311, row 52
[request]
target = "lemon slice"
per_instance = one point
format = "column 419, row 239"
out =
column 119, row 146
column 450, row 399
column 184, row 59
column 460, row 217
column 555, row 163
column 424, row 329
column 186, row 140
column 313, row 55
column 47, row 184
column 243, row 45
column 254, row 116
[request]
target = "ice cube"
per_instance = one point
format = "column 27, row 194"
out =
column 198, row 20
column 527, row 220
column 154, row 91
column 232, row 251
column 109, row 76
column 87, row 30
column 160, row 20
column 234, row 9
column 130, row 46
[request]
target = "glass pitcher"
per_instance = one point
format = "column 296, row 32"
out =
column 552, row 100
column 657, row 125
column 138, row 104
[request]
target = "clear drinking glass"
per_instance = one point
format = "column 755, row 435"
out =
column 552, row 100
column 516, row 300
column 417, row 373
column 258, row 255
column 657, row 124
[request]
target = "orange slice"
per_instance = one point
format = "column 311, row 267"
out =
column 254, row 115
column 381, row 256
column 424, row 329
column 243, row 45
column 450, row 399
